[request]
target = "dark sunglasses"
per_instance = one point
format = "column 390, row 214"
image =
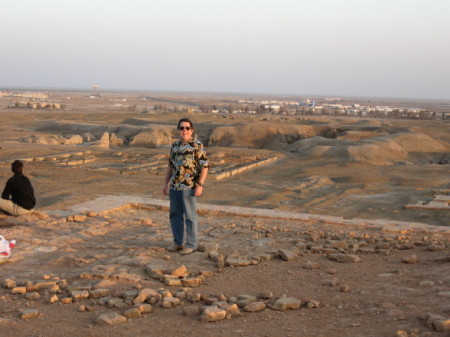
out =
column 187, row 128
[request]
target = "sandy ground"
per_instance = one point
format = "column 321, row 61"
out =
column 384, row 295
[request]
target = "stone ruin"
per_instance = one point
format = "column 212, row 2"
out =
column 125, row 284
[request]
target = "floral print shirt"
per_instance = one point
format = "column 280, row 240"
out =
column 187, row 161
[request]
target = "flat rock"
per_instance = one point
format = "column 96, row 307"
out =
column 213, row 314
column 288, row 254
column 29, row 313
column 111, row 318
column 410, row 259
column 345, row 258
column 255, row 307
column 286, row 303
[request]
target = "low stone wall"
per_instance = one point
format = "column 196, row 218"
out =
column 233, row 171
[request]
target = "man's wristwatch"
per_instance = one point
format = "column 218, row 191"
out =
column 200, row 184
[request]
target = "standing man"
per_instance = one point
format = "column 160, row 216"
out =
column 184, row 180
column 18, row 194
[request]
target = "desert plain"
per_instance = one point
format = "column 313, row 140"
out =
column 348, row 216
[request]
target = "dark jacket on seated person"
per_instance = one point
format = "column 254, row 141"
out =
column 21, row 191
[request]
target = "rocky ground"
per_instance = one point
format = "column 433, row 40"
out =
column 109, row 274
column 105, row 271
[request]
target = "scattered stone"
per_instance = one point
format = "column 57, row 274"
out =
column 255, row 307
column 191, row 310
column 401, row 333
column 34, row 296
column 266, row 296
column 206, row 274
column 180, row 294
column 111, row 318
column 144, row 294
column 79, row 218
column 191, row 282
column 332, row 282
column 54, row 290
column 9, row 284
column 220, row 262
column 53, row 299
column 105, row 284
column 345, row 258
column 133, row 313
column 172, row 282
column 209, row 247
column 240, row 261
column 437, row 322
column 243, row 300
column 213, row 314
column 288, row 255
column 97, row 293
column 285, row 303
column 194, row 297
column 311, row 265
column 210, row 300
column 67, row 300
column 29, row 313
column 231, row 309
column 79, row 295
column 266, row 257
column 45, row 285
column 312, row 304
column 442, row 324
column 180, row 271
column 345, row 288
column 116, row 302
column 340, row 245
column 170, row 302
column 19, row 290
column 145, row 308
column 410, row 259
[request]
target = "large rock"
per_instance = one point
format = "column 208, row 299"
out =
column 345, row 258
column 144, row 294
column 104, row 141
column 285, row 303
column 153, row 138
column 111, row 318
column 115, row 141
column 213, row 314
column 73, row 140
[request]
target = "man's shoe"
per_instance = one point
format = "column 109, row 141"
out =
column 186, row 251
column 173, row 247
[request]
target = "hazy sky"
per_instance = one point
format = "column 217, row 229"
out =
column 376, row 48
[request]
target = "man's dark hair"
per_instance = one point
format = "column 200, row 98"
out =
column 186, row 120
column 17, row 167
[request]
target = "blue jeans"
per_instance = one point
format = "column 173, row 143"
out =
column 183, row 209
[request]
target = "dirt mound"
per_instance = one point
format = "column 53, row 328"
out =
column 354, row 135
column 382, row 151
column 258, row 135
column 357, row 145
column 154, row 138
column 149, row 135
column 419, row 142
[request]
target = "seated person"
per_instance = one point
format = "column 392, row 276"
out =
column 18, row 195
